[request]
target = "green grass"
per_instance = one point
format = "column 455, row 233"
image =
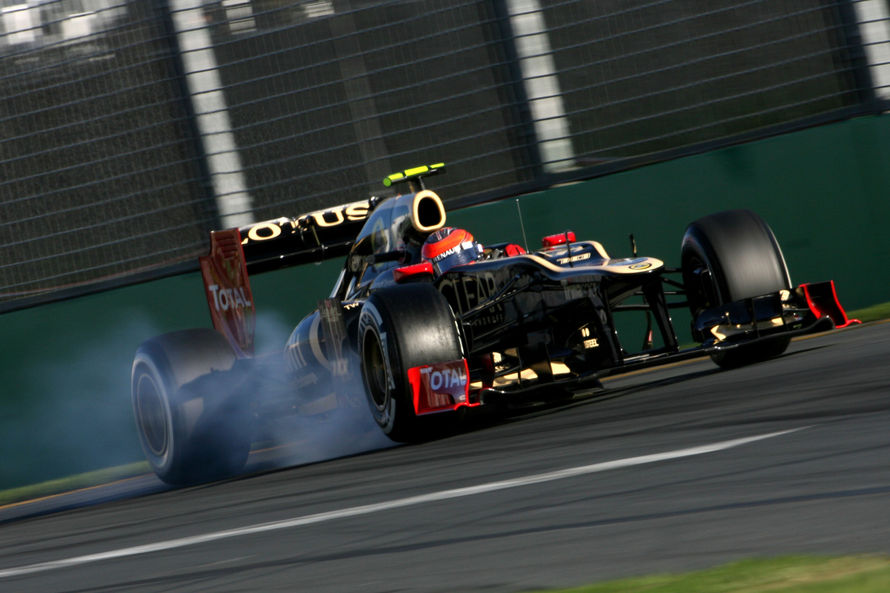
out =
column 76, row 482
column 873, row 313
column 856, row 574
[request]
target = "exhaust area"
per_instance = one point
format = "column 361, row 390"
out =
column 330, row 416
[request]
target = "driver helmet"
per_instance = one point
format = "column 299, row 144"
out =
column 449, row 247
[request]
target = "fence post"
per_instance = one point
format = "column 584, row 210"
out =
column 208, row 112
column 851, row 44
column 362, row 106
column 520, row 104
column 193, row 134
column 540, row 79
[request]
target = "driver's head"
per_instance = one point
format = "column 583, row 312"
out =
column 449, row 247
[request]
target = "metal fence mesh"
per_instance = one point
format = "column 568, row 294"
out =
column 664, row 74
column 349, row 98
column 131, row 128
column 98, row 177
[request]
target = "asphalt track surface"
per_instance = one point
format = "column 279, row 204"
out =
column 672, row 470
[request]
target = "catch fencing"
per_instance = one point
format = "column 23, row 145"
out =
column 129, row 128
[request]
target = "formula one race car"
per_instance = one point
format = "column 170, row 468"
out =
column 435, row 324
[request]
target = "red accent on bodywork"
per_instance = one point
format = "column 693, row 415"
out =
column 408, row 272
column 513, row 249
column 822, row 300
column 560, row 239
column 228, row 292
column 440, row 387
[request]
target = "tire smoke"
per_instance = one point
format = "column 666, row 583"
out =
column 69, row 411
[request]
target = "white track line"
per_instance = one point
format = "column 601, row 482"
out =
column 389, row 505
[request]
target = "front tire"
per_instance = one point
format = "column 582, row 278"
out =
column 400, row 328
column 730, row 256
column 191, row 426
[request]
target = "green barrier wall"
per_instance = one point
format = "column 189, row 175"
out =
column 824, row 192
column 65, row 374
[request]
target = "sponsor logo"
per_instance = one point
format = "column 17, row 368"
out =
column 229, row 298
column 272, row 229
column 641, row 266
column 439, row 387
column 445, row 380
column 466, row 291
column 588, row 341
column 453, row 250
column 228, row 291
column 573, row 259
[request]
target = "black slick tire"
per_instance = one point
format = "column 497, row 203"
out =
column 191, row 426
column 730, row 256
column 399, row 328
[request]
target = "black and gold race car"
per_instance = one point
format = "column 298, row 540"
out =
column 424, row 322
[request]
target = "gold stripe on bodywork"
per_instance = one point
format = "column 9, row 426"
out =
column 615, row 268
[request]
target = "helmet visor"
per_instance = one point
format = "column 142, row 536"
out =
column 464, row 253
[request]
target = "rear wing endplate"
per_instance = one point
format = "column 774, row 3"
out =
column 228, row 292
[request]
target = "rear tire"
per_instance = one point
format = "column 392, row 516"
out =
column 730, row 256
column 400, row 328
column 191, row 425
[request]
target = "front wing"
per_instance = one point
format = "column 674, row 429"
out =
column 810, row 308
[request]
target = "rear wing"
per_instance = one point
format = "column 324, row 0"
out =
column 316, row 236
column 319, row 235
column 264, row 246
